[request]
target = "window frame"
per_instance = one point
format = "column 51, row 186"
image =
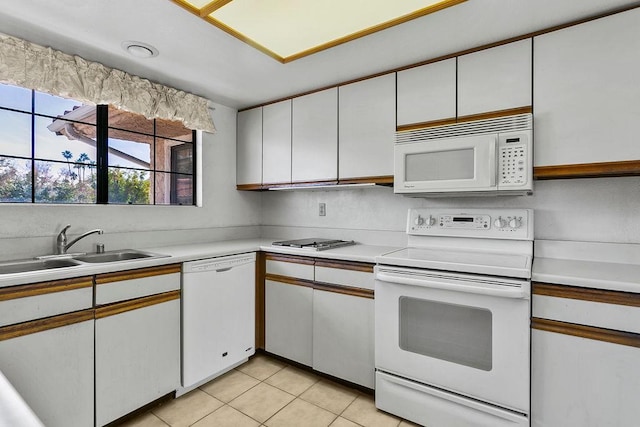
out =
column 102, row 159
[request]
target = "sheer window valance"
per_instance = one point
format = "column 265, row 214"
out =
column 47, row 70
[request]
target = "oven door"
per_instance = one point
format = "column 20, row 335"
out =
column 464, row 333
column 446, row 165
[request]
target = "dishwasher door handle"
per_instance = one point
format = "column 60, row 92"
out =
column 222, row 270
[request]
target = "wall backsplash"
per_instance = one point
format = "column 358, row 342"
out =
column 599, row 210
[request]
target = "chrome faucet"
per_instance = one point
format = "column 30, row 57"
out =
column 61, row 242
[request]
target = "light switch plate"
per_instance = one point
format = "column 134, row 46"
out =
column 322, row 209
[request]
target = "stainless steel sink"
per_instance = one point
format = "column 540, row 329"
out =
column 22, row 266
column 115, row 256
column 47, row 262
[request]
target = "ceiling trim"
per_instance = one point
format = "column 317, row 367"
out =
column 212, row 7
column 206, row 11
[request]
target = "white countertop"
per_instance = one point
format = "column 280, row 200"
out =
column 182, row 253
column 608, row 266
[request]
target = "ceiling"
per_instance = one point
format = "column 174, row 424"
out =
column 200, row 58
column 268, row 25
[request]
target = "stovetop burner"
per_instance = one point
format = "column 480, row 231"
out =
column 316, row 244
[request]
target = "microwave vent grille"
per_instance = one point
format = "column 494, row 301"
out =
column 513, row 123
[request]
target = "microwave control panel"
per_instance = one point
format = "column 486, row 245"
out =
column 514, row 159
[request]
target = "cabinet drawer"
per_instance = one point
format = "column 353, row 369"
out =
column 127, row 285
column 345, row 277
column 600, row 308
column 296, row 268
column 40, row 300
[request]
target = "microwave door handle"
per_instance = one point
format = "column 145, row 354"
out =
column 516, row 292
column 493, row 160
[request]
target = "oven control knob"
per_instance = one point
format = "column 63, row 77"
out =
column 499, row 222
column 419, row 220
column 431, row 220
column 515, row 223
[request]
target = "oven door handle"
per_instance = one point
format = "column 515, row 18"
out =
column 497, row 290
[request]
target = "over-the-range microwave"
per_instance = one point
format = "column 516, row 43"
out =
column 483, row 157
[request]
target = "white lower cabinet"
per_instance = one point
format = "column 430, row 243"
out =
column 585, row 349
column 343, row 336
column 581, row 382
column 137, row 340
column 52, row 370
column 321, row 313
column 137, row 358
column 289, row 321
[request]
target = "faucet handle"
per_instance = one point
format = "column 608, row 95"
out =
column 62, row 236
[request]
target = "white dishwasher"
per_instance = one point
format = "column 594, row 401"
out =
column 218, row 315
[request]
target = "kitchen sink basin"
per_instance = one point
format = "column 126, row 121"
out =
column 22, row 266
column 115, row 256
column 47, row 262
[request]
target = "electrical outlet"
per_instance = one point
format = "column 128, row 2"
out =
column 322, row 209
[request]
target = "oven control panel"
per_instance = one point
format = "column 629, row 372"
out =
column 482, row 223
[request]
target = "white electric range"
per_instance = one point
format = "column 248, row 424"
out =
column 452, row 319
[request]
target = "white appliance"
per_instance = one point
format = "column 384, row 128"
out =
column 452, row 324
column 218, row 316
column 492, row 156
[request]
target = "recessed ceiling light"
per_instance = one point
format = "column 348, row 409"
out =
column 289, row 30
column 139, row 49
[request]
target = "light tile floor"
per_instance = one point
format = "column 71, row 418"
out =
column 267, row 392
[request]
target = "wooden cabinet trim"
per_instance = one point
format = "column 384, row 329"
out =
column 290, row 258
column 40, row 325
column 380, row 180
column 134, row 304
column 494, row 114
column 345, row 290
column 289, row 280
column 345, row 265
column 463, row 119
column 247, row 187
column 589, row 332
column 260, row 300
column 42, row 288
column 422, row 125
column 140, row 273
column 588, row 170
column 587, row 294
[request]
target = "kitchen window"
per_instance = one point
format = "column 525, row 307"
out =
column 57, row 150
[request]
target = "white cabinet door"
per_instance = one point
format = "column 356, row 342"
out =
column 289, row 321
column 495, row 79
column 249, row 147
column 137, row 358
column 343, row 336
column 586, row 92
column 579, row 382
column 427, row 93
column 53, row 372
column 314, row 153
column 366, row 128
column 276, row 143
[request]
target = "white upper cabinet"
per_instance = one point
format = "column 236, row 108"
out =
column 249, row 147
column 495, row 79
column 587, row 92
column 276, row 143
column 427, row 93
column 367, row 128
column 314, row 155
